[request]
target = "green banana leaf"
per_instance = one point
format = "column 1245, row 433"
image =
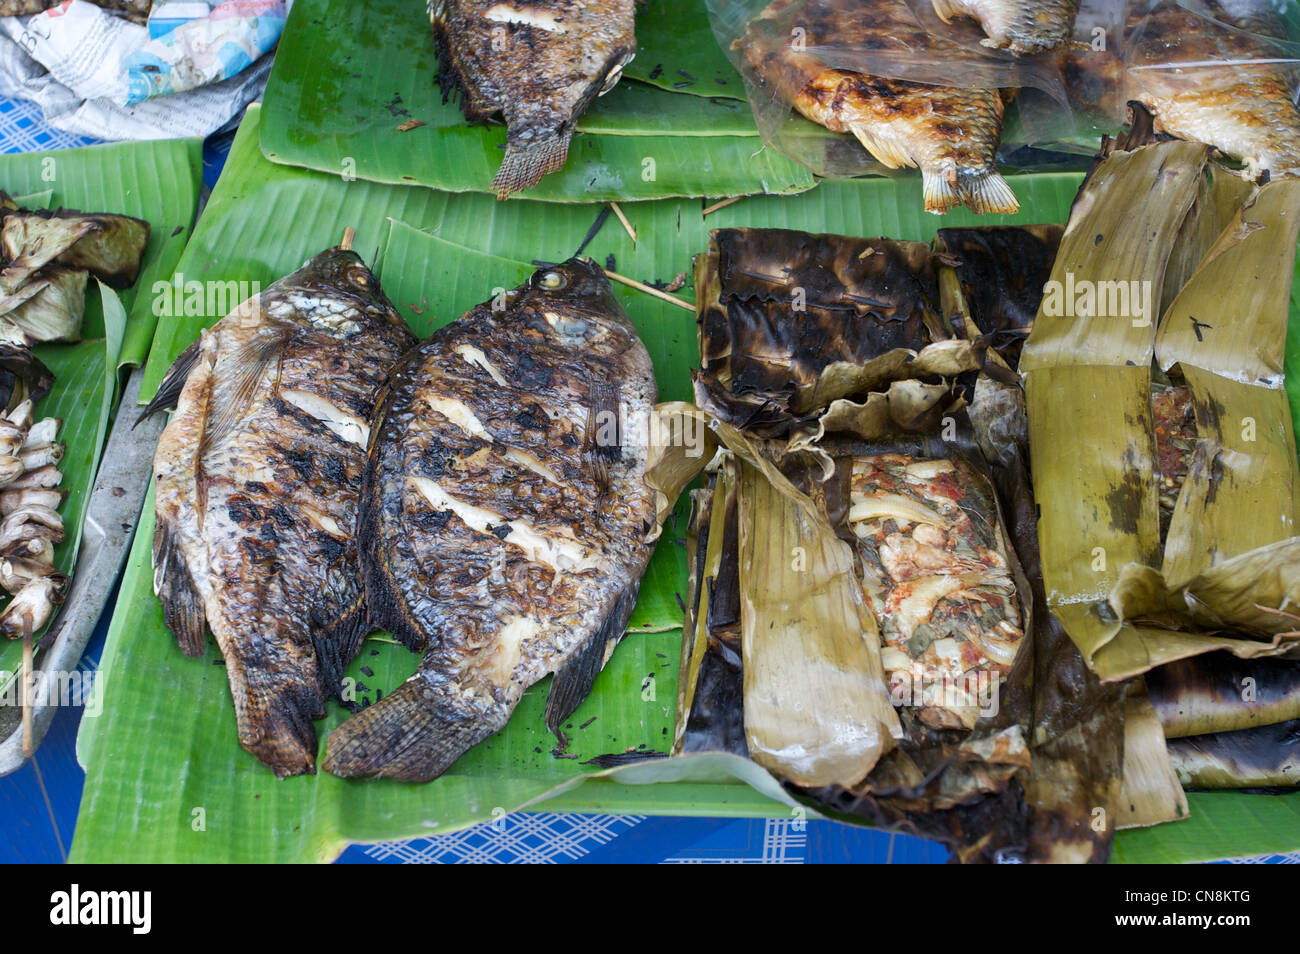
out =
column 167, row 781
column 676, row 51
column 84, row 392
column 348, row 75
column 156, row 181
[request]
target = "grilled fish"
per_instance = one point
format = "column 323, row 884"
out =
column 258, row 479
column 1223, row 83
column 504, row 518
column 539, row 63
column 1021, row 26
column 950, row 133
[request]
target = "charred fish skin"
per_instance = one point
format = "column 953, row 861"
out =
column 951, row 134
column 539, row 63
column 1020, row 26
column 257, row 485
column 504, row 518
column 1241, row 104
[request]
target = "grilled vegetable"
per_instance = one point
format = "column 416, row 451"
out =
column 506, row 517
column 258, row 484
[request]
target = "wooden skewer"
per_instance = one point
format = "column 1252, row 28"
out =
column 349, row 234
column 623, row 218
column 29, row 744
column 639, row 286
column 721, row 205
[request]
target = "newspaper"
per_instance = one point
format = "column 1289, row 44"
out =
column 189, row 73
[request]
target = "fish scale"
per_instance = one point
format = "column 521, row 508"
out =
column 503, row 526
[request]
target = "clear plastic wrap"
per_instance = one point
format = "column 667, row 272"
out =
column 1221, row 71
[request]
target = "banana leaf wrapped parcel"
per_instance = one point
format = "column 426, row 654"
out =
column 836, row 374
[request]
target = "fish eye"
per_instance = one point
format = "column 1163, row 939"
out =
column 552, row 281
column 359, row 276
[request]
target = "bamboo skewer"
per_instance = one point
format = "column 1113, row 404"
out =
column 623, row 218
column 349, row 234
column 639, row 286
column 29, row 738
column 721, row 205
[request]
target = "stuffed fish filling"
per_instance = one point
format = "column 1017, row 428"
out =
column 935, row 570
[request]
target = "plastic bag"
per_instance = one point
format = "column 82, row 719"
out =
column 1058, row 102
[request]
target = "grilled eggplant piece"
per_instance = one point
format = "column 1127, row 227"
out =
column 539, row 63
column 258, row 483
column 505, row 518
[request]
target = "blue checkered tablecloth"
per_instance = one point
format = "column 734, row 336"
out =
column 22, row 129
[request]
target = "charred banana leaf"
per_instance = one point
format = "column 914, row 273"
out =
column 1262, row 758
column 1217, row 692
column 790, row 322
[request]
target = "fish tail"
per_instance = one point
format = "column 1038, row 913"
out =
column 527, row 161
column 939, row 190
column 984, row 190
column 274, row 713
column 414, row 734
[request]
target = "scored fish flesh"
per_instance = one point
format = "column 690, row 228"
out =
column 1226, row 81
column 505, row 517
column 950, row 133
column 539, row 63
column 258, row 482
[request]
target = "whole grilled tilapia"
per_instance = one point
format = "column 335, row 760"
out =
column 949, row 132
column 1220, row 81
column 258, row 482
column 539, row 63
column 504, row 518
column 1021, row 26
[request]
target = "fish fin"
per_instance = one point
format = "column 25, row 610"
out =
column 601, row 448
column 173, row 383
column 939, row 191
column 888, row 154
column 527, row 162
column 452, row 82
column 986, row 191
column 947, row 9
column 337, row 644
column 174, row 587
column 274, row 712
column 573, row 680
column 249, row 363
column 414, row 734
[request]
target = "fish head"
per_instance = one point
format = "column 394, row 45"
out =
column 334, row 292
column 573, row 302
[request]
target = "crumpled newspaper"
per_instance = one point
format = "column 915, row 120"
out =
column 99, row 75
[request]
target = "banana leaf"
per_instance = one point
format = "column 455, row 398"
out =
column 1267, row 757
column 264, row 220
column 676, row 51
column 344, row 118
column 1217, row 693
column 156, row 181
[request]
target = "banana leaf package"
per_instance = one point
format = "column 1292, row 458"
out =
column 867, row 433
column 1178, row 537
